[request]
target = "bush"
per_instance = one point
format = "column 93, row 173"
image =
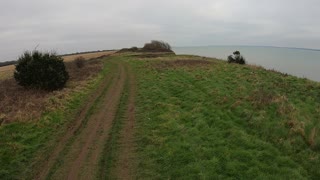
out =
column 79, row 61
column 41, row 70
column 132, row 49
column 236, row 58
column 241, row 60
column 157, row 46
column 231, row 59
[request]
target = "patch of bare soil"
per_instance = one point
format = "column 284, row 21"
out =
column 163, row 65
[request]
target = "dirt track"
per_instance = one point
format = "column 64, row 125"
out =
column 79, row 151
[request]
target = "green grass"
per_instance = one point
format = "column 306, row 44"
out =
column 22, row 143
column 225, row 121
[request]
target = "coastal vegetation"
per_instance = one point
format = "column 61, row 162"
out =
column 155, row 46
column 32, row 120
column 202, row 118
column 169, row 117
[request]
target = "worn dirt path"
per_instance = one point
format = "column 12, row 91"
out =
column 79, row 151
column 125, row 165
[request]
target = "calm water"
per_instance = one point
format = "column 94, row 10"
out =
column 298, row 62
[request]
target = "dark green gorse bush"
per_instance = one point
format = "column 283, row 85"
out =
column 41, row 70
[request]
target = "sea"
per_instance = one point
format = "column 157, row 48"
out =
column 303, row 63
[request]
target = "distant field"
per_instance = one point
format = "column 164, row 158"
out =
column 87, row 55
column 7, row 71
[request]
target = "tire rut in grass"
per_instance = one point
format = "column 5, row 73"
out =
column 125, row 166
column 86, row 164
column 72, row 129
column 117, row 161
column 77, row 155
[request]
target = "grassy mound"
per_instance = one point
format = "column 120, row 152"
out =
column 198, row 120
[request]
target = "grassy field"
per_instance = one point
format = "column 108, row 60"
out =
column 201, row 118
column 194, row 118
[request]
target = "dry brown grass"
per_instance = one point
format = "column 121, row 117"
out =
column 297, row 126
column 261, row 98
column 255, row 67
column 308, row 131
column 312, row 137
column 20, row 104
column 6, row 72
column 6, row 68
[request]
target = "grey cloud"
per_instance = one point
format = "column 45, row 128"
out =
column 80, row 25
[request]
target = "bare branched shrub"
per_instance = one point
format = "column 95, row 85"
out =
column 79, row 61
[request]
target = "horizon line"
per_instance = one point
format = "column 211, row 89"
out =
column 288, row 47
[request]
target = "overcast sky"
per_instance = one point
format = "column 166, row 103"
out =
column 82, row 25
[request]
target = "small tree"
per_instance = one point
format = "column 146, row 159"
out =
column 41, row 70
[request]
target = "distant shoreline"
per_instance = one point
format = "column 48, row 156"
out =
column 308, row 49
column 301, row 62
